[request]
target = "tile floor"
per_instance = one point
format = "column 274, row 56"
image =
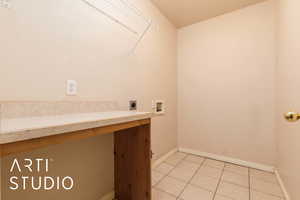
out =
column 188, row 177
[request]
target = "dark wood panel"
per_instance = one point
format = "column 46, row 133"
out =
column 133, row 163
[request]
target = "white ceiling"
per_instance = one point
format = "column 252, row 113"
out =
column 185, row 12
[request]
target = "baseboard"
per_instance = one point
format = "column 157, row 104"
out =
column 109, row 196
column 163, row 158
column 283, row 188
column 228, row 159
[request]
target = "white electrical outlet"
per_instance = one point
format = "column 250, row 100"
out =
column 5, row 4
column 71, row 87
column 158, row 106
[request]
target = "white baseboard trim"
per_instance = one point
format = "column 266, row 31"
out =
column 163, row 158
column 109, row 196
column 228, row 159
column 283, row 188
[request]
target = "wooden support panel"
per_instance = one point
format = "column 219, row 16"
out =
column 30, row 145
column 133, row 163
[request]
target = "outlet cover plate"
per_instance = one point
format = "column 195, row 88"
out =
column 133, row 105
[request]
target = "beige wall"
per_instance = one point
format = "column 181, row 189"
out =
column 226, row 70
column 89, row 162
column 44, row 43
column 288, row 94
column 226, row 85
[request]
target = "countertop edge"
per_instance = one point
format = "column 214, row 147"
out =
column 23, row 135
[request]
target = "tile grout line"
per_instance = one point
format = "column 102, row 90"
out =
column 215, row 193
column 249, row 185
column 174, row 166
column 270, row 194
column 262, row 180
column 220, row 179
column 187, row 184
column 167, row 174
column 236, row 173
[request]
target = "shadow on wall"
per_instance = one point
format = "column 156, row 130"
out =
column 70, row 159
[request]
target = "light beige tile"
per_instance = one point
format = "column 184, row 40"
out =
column 238, row 179
column 175, row 158
column 233, row 191
column 171, row 185
column 219, row 197
column 255, row 195
column 183, row 174
column 205, row 182
column 262, row 175
column 188, row 165
column 265, row 187
column 184, row 171
column 153, row 182
column 160, row 195
column 236, row 169
column 214, row 163
column 181, row 154
column 196, row 193
column 210, row 171
column 195, row 159
column 156, row 177
column 164, row 168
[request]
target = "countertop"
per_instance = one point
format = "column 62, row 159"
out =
column 20, row 129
